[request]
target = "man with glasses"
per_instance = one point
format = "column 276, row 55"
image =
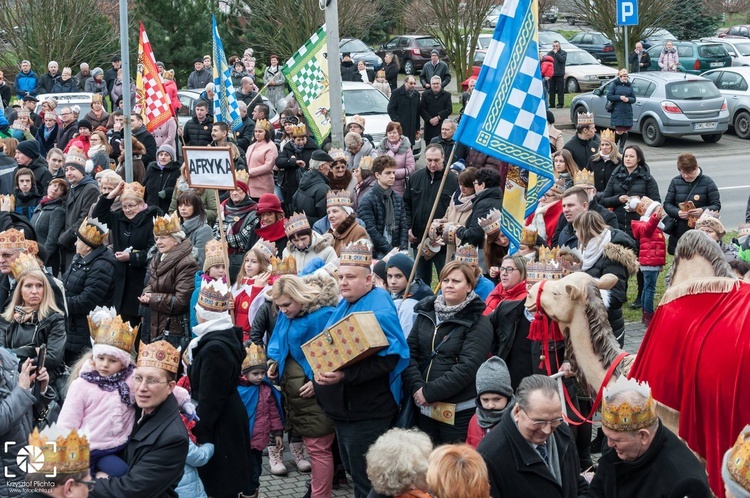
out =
column 68, row 129
column 531, row 452
column 403, row 108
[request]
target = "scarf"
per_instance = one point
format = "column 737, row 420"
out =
column 463, row 204
column 390, row 215
column 46, row 200
column 23, row 314
column 515, row 293
column 202, row 329
column 487, row 419
column 445, row 312
column 297, row 149
column 112, row 382
column 47, row 132
column 604, row 156
column 272, row 232
column 238, row 213
column 594, row 249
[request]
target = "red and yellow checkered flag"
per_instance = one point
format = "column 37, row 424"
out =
column 153, row 101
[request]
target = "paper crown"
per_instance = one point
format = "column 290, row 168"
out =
column 585, row 118
column 296, row 223
column 570, row 259
column 255, row 357
column 646, row 206
column 214, row 254
column 23, row 264
column 711, row 220
column 106, row 327
column 528, row 236
column 337, row 154
column 546, row 267
column 625, row 417
column 339, row 198
column 10, row 199
column 298, row 130
column 75, row 159
column 584, row 177
column 97, row 97
column 242, row 176
column 286, row 266
column 92, row 232
column 365, row 163
column 134, row 190
column 215, row 296
column 32, row 248
column 263, row 124
column 159, row 354
column 743, row 229
column 468, row 254
column 357, row 253
column 738, row 460
column 167, row 224
column 606, row 135
column 491, row 224
column 268, row 249
column 62, row 452
column 12, row 239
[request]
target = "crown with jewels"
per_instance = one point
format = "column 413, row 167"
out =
column 32, row 248
column 743, row 229
column 546, row 267
column 606, row 135
column 528, row 236
column 107, row 327
column 286, row 266
column 10, row 199
column 299, row 130
column 337, row 154
column 491, row 224
column 255, row 357
column 365, row 163
column 266, row 248
column 585, row 118
column 63, row 452
column 296, row 223
column 134, row 190
column 214, row 254
column 159, row 354
column 242, row 176
column 215, row 296
column 339, row 198
column 357, row 253
column 584, row 177
column 12, row 239
column 167, row 224
column 738, row 459
column 570, row 259
column 23, row 264
column 468, row 254
column 92, row 232
column 263, row 124
column 625, row 417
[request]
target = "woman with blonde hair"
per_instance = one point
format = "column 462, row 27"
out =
column 397, row 464
column 564, row 167
column 458, row 471
column 604, row 162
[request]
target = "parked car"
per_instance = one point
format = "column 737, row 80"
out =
column 413, row 51
column 576, row 18
column 549, row 16
column 695, row 56
column 483, row 41
column 741, row 31
column 81, row 99
column 360, row 51
column 737, row 48
column 188, row 99
column 546, row 38
column 597, row 44
column 734, row 85
column 667, row 105
column 490, row 20
column 658, row 36
column 583, row 72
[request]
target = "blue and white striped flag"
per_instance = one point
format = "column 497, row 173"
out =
column 225, row 100
column 506, row 116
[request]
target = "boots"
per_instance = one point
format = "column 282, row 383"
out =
column 276, row 461
column 298, row 453
column 254, row 495
column 646, row 318
column 636, row 304
column 623, row 139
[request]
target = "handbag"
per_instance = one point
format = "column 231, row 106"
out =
column 609, row 106
column 670, row 224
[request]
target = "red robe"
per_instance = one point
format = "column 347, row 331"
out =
column 242, row 302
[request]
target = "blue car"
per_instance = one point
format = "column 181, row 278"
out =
column 359, row 51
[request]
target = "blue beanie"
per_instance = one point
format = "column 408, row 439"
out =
column 402, row 262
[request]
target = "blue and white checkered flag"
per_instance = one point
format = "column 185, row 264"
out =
column 225, row 100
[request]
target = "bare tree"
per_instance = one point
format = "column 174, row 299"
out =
column 730, row 7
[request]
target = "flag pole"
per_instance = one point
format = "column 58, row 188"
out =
column 258, row 95
column 446, row 171
column 127, row 105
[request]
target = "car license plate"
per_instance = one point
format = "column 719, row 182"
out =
column 717, row 64
column 705, row 126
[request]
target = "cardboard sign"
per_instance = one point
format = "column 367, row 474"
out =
column 209, row 167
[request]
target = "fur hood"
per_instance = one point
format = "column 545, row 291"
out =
column 343, row 229
column 340, row 183
column 623, row 256
column 329, row 295
column 138, row 149
column 317, row 244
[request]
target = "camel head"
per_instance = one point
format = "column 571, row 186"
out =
column 698, row 257
column 560, row 298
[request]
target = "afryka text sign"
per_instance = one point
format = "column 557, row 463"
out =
column 209, row 167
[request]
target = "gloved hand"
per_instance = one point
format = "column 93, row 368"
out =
column 188, row 409
column 162, row 194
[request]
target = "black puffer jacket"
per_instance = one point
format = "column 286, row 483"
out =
column 289, row 172
column 705, row 195
column 582, row 149
column 89, row 282
column 158, row 179
column 22, row 339
column 639, row 183
column 421, row 190
column 450, row 376
column 196, row 133
column 310, row 197
column 372, row 213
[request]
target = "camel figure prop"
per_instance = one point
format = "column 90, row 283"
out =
column 695, row 354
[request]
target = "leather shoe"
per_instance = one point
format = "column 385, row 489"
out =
column 635, row 305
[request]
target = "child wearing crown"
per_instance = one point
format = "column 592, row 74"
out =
column 251, row 280
column 305, row 244
column 213, row 269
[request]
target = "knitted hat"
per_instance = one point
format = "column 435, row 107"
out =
column 401, row 261
column 168, row 149
column 269, row 203
column 380, row 269
column 214, row 255
column 76, row 160
column 29, row 148
column 83, row 123
column 97, row 71
column 493, row 377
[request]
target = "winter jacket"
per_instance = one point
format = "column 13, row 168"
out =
column 89, row 282
column 8, row 167
column 371, row 210
column 403, row 107
column 48, row 222
column 171, row 284
column 582, row 150
column 559, row 60
column 199, row 233
column 41, row 172
column 198, row 133
column 116, row 91
column 137, row 233
column 95, row 121
column 669, row 60
column 321, row 246
column 548, row 66
column 264, row 322
column 22, row 339
column 347, row 232
column 174, row 100
column 65, row 134
column 652, row 249
column 69, row 86
column 199, row 79
column 405, row 162
column 289, row 172
column 637, row 59
column 352, row 160
column 190, row 485
column 267, row 418
column 207, row 198
column 77, row 204
column 244, row 135
column 422, row 189
column 565, row 235
column 602, row 170
column 639, row 183
column 429, row 70
column 26, row 204
column 450, row 376
column 310, row 197
column 160, row 179
column 148, row 141
column 472, row 233
column 45, row 144
column 47, row 83
column 622, row 112
column 261, row 159
column 26, row 84
column 348, row 68
column 166, row 134
column 94, row 86
column 434, row 105
column 705, row 195
column 369, row 78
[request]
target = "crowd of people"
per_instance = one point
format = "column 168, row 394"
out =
column 215, row 293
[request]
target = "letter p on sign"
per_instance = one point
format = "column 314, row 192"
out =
column 627, row 12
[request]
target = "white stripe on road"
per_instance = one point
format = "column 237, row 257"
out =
column 735, row 187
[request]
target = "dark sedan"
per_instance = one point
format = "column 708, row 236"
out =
column 597, row 44
column 413, row 51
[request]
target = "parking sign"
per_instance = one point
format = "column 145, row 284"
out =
column 627, row 12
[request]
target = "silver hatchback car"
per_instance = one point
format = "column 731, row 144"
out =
column 734, row 84
column 667, row 105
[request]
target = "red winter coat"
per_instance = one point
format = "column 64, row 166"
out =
column 653, row 247
column 267, row 419
column 475, row 433
column 548, row 68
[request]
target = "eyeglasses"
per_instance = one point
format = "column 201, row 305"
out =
column 507, row 269
column 540, row 424
column 150, row 382
column 65, row 113
column 129, row 207
column 89, row 484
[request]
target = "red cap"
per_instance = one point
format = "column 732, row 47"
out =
column 268, row 203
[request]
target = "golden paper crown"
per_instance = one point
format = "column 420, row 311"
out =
column 10, row 199
column 266, row 248
column 644, row 203
column 286, row 266
column 365, row 163
column 339, row 198
column 134, row 190
column 159, row 354
column 12, row 239
column 337, row 154
column 255, row 357
column 297, row 222
column 242, row 176
column 606, row 135
column 92, row 232
column 357, row 253
column 571, row 260
column 468, row 254
column 107, row 327
column 298, row 130
column 528, row 236
column 214, row 254
column 167, row 224
column 97, row 97
column 491, row 224
column 62, row 452
column 626, row 417
column 738, row 459
column 584, row 177
column 215, row 296
column 263, row 124
column 585, row 118
column 546, row 267
column 32, row 248
column 23, row 264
